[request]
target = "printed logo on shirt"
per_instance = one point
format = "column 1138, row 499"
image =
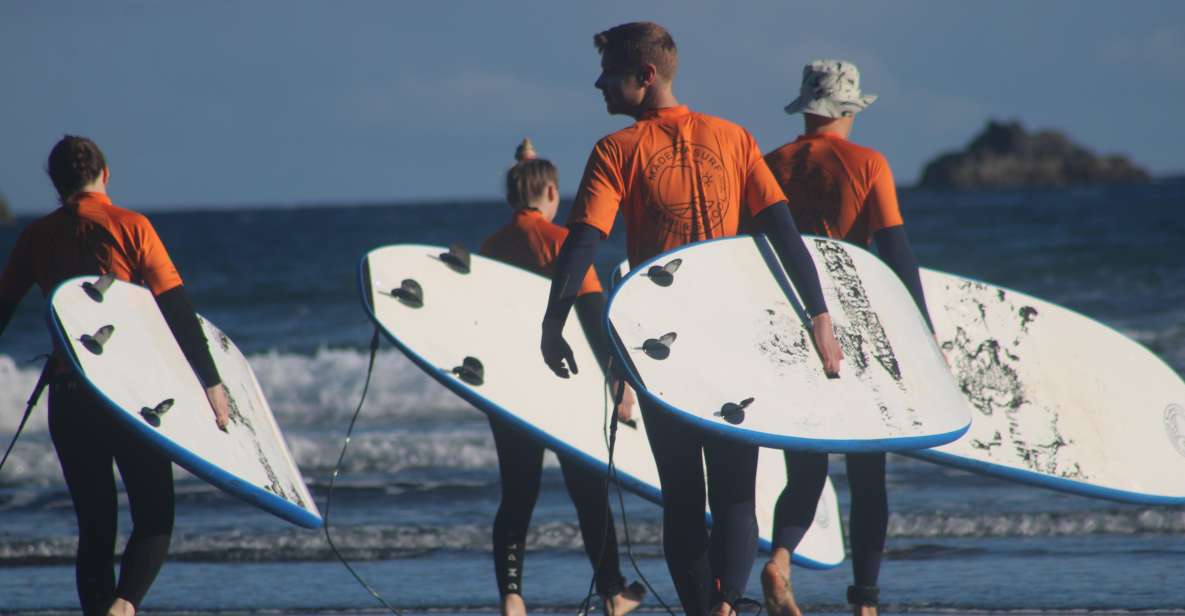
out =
column 687, row 191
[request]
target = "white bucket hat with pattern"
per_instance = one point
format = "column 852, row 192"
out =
column 830, row 88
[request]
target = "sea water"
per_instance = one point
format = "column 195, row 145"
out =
column 419, row 486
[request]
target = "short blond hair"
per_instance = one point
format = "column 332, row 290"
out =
column 637, row 43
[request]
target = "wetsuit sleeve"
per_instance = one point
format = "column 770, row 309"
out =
column 575, row 258
column 179, row 314
column 16, row 279
column 590, row 308
column 777, row 223
column 892, row 245
column 601, row 190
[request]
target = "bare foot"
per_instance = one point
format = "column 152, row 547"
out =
column 864, row 610
column 779, row 595
column 513, row 605
column 625, row 601
column 724, row 608
column 121, row 607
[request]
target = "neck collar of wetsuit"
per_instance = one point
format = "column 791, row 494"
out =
column 665, row 113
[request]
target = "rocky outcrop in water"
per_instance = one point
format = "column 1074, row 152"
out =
column 1006, row 155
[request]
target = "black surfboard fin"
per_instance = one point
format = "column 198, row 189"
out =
column 457, row 258
column 409, row 293
column 734, row 412
column 471, row 371
column 153, row 415
column 664, row 275
column 659, row 348
column 94, row 342
column 96, row 289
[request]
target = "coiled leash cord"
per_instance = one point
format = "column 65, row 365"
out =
column 374, row 349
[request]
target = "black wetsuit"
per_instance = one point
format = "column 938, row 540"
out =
column 707, row 568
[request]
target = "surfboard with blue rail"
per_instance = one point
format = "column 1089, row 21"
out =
column 119, row 343
column 715, row 333
column 1060, row 400
column 472, row 323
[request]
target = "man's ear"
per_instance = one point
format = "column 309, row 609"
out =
column 106, row 175
column 553, row 192
column 647, row 74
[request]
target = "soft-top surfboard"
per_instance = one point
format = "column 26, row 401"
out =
column 1061, row 401
column 715, row 333
column 120, row 344
column 472, row 323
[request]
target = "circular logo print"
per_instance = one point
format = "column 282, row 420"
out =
column 687, row 190
column 1174, row 426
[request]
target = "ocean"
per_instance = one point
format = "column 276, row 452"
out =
column 418, row 490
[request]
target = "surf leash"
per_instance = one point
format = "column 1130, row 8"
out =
column 42, row 381
column 374, row 349
column 611, row 478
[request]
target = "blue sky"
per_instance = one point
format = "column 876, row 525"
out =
column 254, row 103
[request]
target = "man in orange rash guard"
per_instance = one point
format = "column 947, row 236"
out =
column 679, row 176
column 532, row 242
column 88, row 235
column 843, row 191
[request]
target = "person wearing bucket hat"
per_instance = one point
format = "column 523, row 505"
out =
column 844, row 191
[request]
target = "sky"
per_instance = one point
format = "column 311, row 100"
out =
column 222, row 104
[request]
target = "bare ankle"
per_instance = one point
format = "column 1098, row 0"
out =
column 513, row 605
column 121, row 607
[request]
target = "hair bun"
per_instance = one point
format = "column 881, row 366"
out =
column 525, row 151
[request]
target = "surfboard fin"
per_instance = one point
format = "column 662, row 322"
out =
column 664, row 275
column 457, row 258
column 409, row 293
column 659, row 348
column 96, row 289
column 153, row 415
column 734, row 412
column 471, row 371
column 94, row 342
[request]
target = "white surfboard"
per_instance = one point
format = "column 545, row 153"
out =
column 441, row 312
column 1061, row 401
column 121, row 345
column 714, row 333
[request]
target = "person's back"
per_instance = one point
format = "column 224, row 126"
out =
column 678, row 177
column 841, row 189
column 531, row 241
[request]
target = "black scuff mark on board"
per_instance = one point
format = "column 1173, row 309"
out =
column 985, row 372
column 782, row 341
column 274, row 483
column 1027, row 314
column 865, row 322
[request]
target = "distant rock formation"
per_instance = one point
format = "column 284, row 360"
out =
column 1004, row 155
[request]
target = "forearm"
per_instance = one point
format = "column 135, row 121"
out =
column 892, row 244
column 590, row 308
column 775, row 221
column 572, row 264
column 183, row 322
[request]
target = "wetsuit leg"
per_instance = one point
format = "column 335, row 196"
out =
column 148, row 478
column 677, row 450
column 869, row 515
column 587, row 490
column 520, row 465
column 795, row 509
column 732, row 485
column 80, row 437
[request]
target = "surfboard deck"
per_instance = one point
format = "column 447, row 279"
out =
column 491, row 313
column 1061, row 401
column 140, row 366
column 716, row 325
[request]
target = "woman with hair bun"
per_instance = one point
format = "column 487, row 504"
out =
column 531, row 241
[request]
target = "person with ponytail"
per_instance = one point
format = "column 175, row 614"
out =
column 531, row 241
column 89, row 235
